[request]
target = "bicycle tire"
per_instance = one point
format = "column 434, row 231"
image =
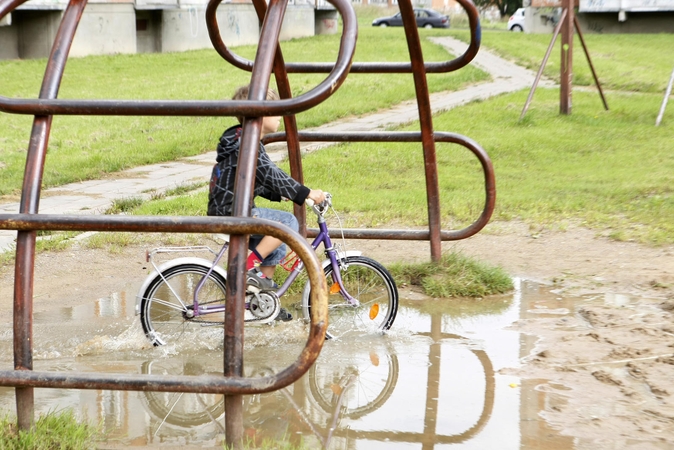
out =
column 371, row 284
column 170, row 294
column 177, row 408
column 372, row 384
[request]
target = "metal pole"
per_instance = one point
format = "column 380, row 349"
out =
column 566, row 67
column 243, row 199
column 668, row 92
column 589, row 61
column 426, row 125
column 30, row 199
column 545, row 61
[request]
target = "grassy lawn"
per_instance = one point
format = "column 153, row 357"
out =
column 55, row 430
column 83, row 148
column 623, row 62
column 611, row 170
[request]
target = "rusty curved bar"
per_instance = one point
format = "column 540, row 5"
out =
column 290, row 122
column 201, row 384
column 30, row 198
column 411, row 136
column 248, row 108
column 7, row 6
column 364, row 67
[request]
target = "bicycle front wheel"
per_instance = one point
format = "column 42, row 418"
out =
column 371, row 285
column 167, row 304
column 358, row 386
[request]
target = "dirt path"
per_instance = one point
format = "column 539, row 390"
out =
column 616, row 357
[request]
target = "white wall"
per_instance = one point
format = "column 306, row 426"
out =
column 109, row 28
column 106, row 29
column 36, row 31
column 9, row 40
column 185, row 28
column 299, row 21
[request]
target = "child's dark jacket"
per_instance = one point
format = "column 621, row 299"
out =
column 270, row 182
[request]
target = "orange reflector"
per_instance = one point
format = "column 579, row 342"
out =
column 334, row 289
column 336, row 389
column 374, row 359
column 374, row 310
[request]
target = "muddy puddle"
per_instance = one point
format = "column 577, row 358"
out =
column 432, row 382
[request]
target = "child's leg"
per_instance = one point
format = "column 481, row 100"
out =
column 265, row 248
column 271, row 250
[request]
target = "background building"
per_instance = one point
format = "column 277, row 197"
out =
column 142, row 26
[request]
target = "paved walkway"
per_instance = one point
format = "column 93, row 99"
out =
column 96, row 196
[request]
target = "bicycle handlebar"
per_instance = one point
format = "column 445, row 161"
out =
column 322, row 207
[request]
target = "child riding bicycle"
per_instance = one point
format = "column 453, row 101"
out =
column 271, row 183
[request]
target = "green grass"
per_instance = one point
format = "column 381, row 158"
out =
column 253, row 443
column 123, row 205
column 64, row 431
column 455, row 275
column 56, row 430
column 116, row 242
column 624, row 62
column 609, row 170
column 83, row 148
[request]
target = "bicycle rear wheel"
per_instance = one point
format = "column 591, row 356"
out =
column 368, row 282
column 167, row 302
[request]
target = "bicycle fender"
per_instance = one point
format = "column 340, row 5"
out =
column 327, row 262
column 341, row 255
column 173, row 263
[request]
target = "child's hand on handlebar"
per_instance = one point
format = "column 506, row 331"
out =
column 317, row 196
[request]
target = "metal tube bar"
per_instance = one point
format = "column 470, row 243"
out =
column 589, row 61
column 204, row 384
column 268, row 58
column 555, row 33
column 214, row 384
column 426, row 126
column 152, row 224
column 244, row 186
column 289, row 122
column 411, row 136
column 211, row 108
column 668, row 92
column 7, row 6
column 246, row 108
column 30, row 199
column 360, row 67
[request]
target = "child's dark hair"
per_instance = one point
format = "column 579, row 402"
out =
column 242, row 94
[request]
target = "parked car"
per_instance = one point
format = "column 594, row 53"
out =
column 516, row 21
column 426, row 18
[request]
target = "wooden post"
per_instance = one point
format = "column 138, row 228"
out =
column 566, row 67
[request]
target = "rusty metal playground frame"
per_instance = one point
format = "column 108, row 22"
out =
column 268, row 61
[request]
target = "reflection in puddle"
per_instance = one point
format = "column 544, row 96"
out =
column 432, row 382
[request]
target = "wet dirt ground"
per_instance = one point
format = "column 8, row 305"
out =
column 576, row 357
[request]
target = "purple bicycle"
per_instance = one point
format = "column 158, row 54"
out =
column 184, row 294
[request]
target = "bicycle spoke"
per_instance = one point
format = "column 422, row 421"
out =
column 372, row 286
column 168, row 304
column 164, row 304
